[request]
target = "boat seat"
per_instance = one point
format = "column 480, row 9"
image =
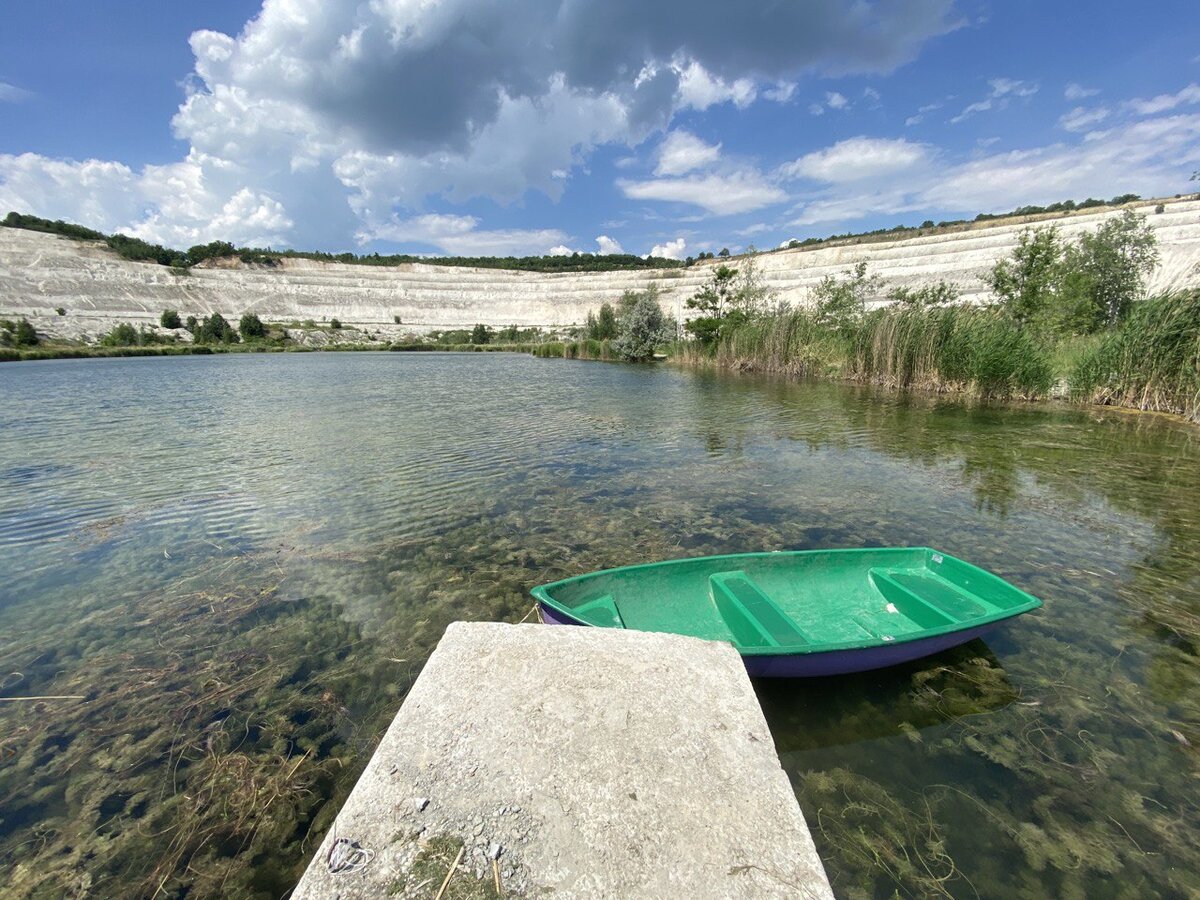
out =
column 929, row 602
column 602, row 611
column 754, row 619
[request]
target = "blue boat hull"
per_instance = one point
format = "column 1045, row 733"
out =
column 831, row 662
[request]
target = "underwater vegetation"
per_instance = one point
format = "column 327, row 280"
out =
column 241, row 595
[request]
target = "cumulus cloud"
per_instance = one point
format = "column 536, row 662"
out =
column 342, row 116
column 1081, row 119
column 856, row 159
column 670, row 250
column 606, row 245
column 1002, row 91
column 736, row 192
column 681, row 152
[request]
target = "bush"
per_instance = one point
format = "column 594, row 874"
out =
column 123, row 335
column 215, row 330
column 480, row 335
column 335, row 324
column 170, row 319
column 191, row 324
column 17, row 334
column 61, row 310
column 643, row 328
column 251, row 327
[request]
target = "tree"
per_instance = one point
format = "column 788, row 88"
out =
column 940, row 293
column 1106, row 270
column 643, row 328
column 335, row 323
column 840, row 304
column 712, row 302
column 1028, row 282
column 215, row 330
column 724, row 254
column 169, row 319
column 480, row 334
column 25, row 335
column 602, row 327
column 191, row 324
column 251, row 327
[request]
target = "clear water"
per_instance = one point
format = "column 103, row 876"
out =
column 241, row 562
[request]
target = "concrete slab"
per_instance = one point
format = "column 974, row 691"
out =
column 586, row 763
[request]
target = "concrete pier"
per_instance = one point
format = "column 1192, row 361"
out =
column 581, row 761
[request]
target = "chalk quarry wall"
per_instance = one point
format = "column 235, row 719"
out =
column 40, row 272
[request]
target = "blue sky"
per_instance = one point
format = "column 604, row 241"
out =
column 526, row 126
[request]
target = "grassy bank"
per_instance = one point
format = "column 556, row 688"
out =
column 1150, row 361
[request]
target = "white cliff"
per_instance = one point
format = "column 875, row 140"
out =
column 40, row 273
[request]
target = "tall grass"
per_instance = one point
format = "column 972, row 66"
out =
column 584, row 349
column 953, row 348
column 1151, row 361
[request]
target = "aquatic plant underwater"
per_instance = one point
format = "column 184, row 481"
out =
column 243, row 625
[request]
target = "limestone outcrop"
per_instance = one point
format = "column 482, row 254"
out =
column 40, row 273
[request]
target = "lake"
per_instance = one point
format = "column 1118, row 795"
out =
column 241, row 562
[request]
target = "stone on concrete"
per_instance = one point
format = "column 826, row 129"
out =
column 581, row 762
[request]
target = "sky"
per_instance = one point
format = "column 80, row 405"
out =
column 513, row 127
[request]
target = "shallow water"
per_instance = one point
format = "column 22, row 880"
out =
column 241, row 563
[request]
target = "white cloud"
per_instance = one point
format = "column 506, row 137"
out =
column 670, row 250
column 10, row 93
column 1165, row 102
column 1079, row 92
column 857, row 158
column 1002, row 91
column 834, row 100
column 1152, row 157
column 1081, row 119
column 919, row 116
column 869, row 93
column 700, row 90
column 782, row 92
column 607, row 245
column 460, row 235
column 721, row 195
column 560, row 250
column 816, row 109
column 325, row 118
column 681, row 152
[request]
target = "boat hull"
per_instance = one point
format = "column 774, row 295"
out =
column 830, row 662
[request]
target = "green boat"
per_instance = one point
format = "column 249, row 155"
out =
column 802, row 613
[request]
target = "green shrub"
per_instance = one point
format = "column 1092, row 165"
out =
column 24, row 335
column 481, row 334
column 215, row 330
column 170, row 319
column 335, row 324
column 251, row 328
column 61, row 310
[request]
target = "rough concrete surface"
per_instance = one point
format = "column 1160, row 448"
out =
column 588, row 762
column 97, row 289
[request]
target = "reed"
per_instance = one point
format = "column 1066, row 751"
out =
column 1150, row 362
column 962, row 349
